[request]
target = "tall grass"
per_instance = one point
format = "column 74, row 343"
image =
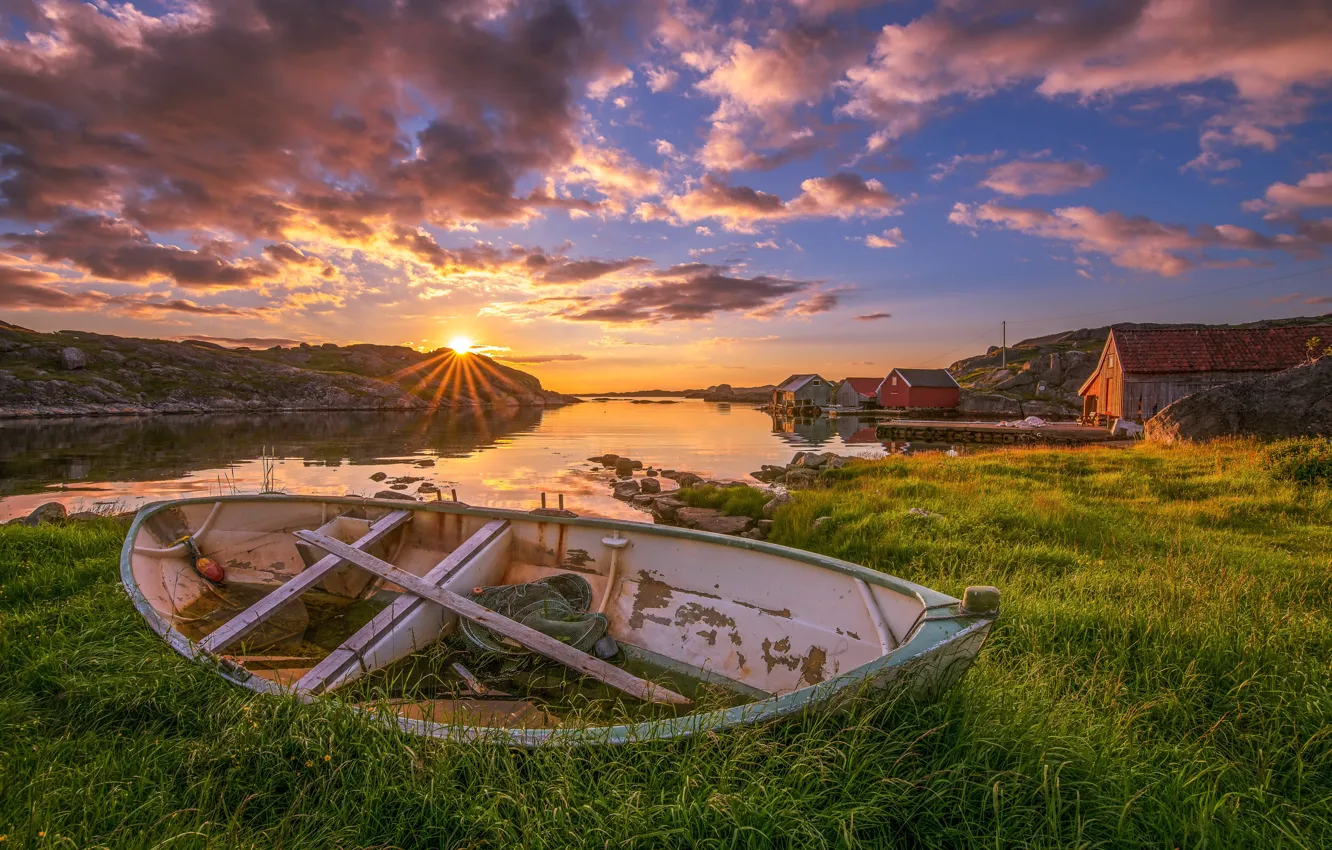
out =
column 1161, row 676
column 732, row 501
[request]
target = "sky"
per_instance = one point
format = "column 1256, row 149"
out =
column 660, row 193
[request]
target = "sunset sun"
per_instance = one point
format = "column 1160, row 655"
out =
column 461, row 344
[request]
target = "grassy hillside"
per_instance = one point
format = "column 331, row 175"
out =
column 1160, row 677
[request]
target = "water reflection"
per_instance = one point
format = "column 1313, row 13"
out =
column 505, row 458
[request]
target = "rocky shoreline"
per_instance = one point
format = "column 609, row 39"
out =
column 72, row 373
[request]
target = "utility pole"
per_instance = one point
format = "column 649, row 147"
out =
column 1003, row 345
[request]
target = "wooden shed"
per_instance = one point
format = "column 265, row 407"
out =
column 858, row 392
column 1143, row 370
column 904, row 388
column 801, row 393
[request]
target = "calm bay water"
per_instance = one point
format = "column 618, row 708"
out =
column 497, row 458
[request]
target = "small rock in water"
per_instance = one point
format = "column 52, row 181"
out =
column 379, row 476
column 397, row 486
column 49, row 512
column 426, row 462
column 642, row 500
column 688, row 479
column 625, row 490
column 651, row 473
column 650, row 485
column 393, row 494
column 427, row 487
column 624, row 467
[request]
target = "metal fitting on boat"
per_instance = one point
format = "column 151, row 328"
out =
column 980, row 599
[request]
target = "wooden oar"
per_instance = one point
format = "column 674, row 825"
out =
column 528, row 637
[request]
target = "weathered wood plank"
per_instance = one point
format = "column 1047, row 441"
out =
column 350, row 653
column 244, row 622
column 526, row 637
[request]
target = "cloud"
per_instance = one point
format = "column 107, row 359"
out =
column 967, row 50
column 873, row 317
column 26, row 289
column 581, row 271
column 739, row 208
column 540, row 358
column 697, row 296
column 1137, row 242
column 1021, row 179
column 288, row 121
column 944, row 169
column 819, row 303
column 610, row 79
column 661, row 79
column 1313, row 190
column 891, row 238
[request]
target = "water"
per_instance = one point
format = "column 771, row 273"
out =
column 500, row 458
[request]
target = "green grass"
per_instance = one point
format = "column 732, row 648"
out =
column 1161, row 676
column 732, row 501
column 1306, row 460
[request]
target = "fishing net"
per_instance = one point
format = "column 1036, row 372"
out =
column 555, row 606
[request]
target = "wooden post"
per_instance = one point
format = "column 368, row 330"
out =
column 527, row 637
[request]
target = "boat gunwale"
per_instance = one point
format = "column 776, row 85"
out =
column 926, row 636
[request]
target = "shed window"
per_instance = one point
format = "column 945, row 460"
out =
column 894, row 380
column 814, row 383
column 1110, row 360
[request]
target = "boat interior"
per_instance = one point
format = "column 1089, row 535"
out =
column 722, row 621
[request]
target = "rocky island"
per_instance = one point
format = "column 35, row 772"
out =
column 76, row 373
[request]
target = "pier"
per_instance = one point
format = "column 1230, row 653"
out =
column 934, row 431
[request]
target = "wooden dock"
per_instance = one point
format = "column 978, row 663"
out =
column 1057, row 434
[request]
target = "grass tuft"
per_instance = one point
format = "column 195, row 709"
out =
column 731, row 501
column 1306, row 460
column 1159, row 677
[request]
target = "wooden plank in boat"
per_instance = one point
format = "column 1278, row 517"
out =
column 530, row 638
column 284, row 676
column 350, row 655
column 240, row 625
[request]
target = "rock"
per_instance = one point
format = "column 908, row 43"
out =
column 988, row 403
column 923, row 514
column 406, row 479
column 771, row 506
column 427, row 487
column 820, row 520
column 83, row 516
column 605, row 460
column 753, row 534
column 707, row 519
column 1018, row 381
column 796, row 459
column 649, row 485
column 834, row 461
column 801, row 478
column 397, row 486
column 72, row 358
column 49, row 512
column 426, row 462
column 379, row 476
column 666, row 507
column 811, row 460
column 624, row 467
column 688, row 479
column 625, row 490
column 642, row 500
column 765, row 526
column 1293, row 403
column 393, row 494
column 651, row 473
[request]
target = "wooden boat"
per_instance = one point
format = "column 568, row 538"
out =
column 780, row 629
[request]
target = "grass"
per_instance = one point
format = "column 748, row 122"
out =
column 1306, row 460
column 732, row 501
column 1161, row 676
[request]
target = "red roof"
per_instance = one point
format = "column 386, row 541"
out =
column 865, row 386
column 1215, row 349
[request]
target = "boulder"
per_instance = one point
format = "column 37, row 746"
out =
column 665, row 507
column 765, row 526
column 801, row 478
column 688, row 479
column 625, row 490
column 707, row 519
column 988, row 403
column 72, row 358
column 812, row 460
column 49, row 512
column 649, row 485
column 753, row 534
column 1019, row 381
column 1293, row 403
column 642, row 500
column 771, row 506
column 651, row 473
column 770, row 473
column 624, row 467
column 394, row 494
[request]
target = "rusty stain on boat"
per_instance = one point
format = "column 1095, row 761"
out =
column 783, row 645
column 692, row 612
column 812, row 670
column 736, row 639
column 710, row 635
column 772, row 612
column 652, row 593
column 576, row 557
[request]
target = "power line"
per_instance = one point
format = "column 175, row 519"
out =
column 1173, row 300
column 965, row 344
